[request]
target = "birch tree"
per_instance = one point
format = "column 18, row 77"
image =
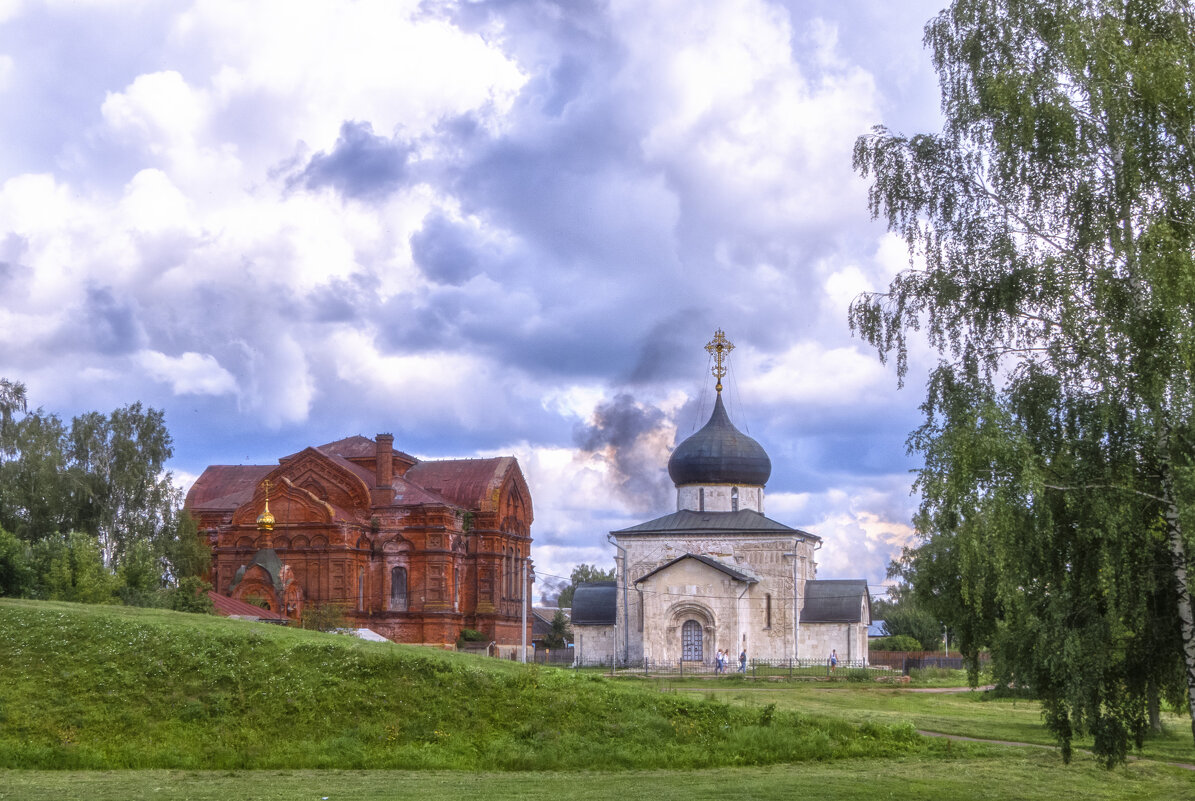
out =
column 1051, row 228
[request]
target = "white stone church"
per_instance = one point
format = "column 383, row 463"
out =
column 716, row 573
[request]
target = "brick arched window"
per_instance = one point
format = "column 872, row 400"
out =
column 398, row 589
column 690, row 641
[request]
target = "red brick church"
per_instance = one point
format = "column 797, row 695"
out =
column 415, row 550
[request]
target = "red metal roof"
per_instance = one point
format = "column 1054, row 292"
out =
column 231, row 607
column 464, row 482
column 225, row 486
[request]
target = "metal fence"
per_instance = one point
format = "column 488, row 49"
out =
column 880, row 664
column 904, row 661
column 755, row 668
column 554, row 656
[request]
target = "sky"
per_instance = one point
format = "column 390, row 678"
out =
column 491, row 227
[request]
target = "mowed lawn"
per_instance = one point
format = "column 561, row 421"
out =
column 968, row 714
column 982, row 775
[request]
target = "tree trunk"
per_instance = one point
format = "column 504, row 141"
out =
column 1154, row 704
column 1178, row 560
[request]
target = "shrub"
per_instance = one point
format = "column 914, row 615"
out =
column 189, row 596
column 16, row 572
column 897, row 642
column 323, row 617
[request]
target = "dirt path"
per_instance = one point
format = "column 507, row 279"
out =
column 961, row 738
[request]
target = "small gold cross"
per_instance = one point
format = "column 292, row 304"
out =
column 720, row 348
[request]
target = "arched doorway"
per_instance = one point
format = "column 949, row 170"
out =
column 691, row 642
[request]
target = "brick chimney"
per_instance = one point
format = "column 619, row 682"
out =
column 384, row 470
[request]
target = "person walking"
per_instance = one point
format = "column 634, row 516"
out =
column 833, row 659
column 743, row 661
column 719, row 662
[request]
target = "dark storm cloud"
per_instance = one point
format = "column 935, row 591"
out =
column 342, row 300
column 667, row 351
column 445, row 251
column 626, row 433
column 361, row 165
column 107, row 324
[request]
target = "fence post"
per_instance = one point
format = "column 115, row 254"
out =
column 790, row 669
column 645, row 664
column 682, row 667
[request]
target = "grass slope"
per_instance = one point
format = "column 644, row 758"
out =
column 93, row 687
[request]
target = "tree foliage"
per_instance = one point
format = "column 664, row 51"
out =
column 1051, row 227
column 88, row 512
column 582, row 574
column 896, row 642
column 904, row 617
column 561, row 633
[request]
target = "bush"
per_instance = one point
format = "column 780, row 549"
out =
column 189, row 596
column 16, row 572
column 323, row 617
column 472, row 635
column 897, row 642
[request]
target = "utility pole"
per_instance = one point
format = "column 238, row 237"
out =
column 524, row 651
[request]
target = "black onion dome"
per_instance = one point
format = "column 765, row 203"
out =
column 719, row 454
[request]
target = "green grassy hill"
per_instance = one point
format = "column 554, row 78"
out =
column 118, row 687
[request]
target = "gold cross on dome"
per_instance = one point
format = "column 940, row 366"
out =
column 720, row 348
column 266, row 486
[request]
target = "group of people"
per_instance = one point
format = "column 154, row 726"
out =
column 722, row 659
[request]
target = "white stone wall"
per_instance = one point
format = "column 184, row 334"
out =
column 719, row 497
column 779, row 563
column 817, row 640
column 593, row 644
column 732, row 614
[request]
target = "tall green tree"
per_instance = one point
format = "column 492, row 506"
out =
column 35, row 486
column 12, row 400
column 1051, row 227
column 561, row 632
column 104, row 476
column 582, row 574
column 123, row 494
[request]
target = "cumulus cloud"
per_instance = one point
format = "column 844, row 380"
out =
column 491, row 227
column 188, row 374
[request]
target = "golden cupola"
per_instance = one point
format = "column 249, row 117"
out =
column 265, row 520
